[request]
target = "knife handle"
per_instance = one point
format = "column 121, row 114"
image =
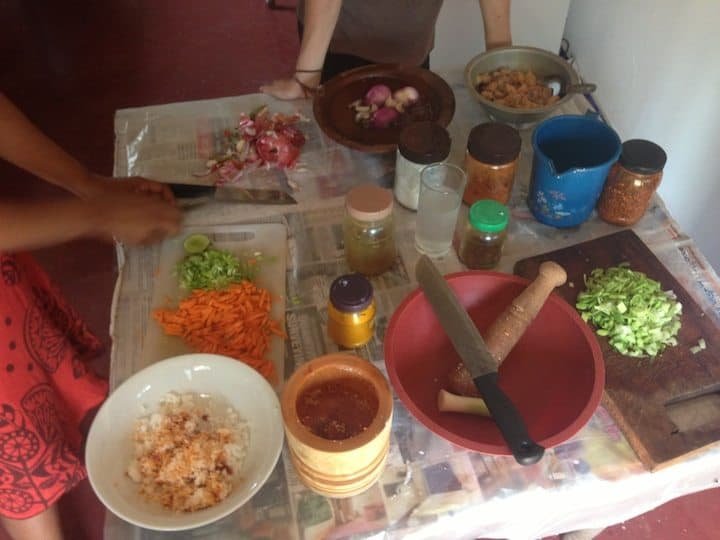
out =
column 508, row 419
column 191, row 191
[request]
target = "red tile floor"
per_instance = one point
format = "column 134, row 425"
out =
column 70, row 65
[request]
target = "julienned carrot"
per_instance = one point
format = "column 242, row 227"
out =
column 234, row 322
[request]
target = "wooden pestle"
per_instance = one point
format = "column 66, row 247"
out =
column 504, row 333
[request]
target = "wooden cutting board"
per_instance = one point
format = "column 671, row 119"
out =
column 668, row 407
column 270, row 239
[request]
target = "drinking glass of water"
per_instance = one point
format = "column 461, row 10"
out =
column 441, row 190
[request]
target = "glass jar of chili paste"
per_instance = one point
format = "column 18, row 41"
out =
column 632, row 182
column 351, row 311
column 493, row 151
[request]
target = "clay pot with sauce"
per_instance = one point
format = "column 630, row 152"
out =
column 337, row 411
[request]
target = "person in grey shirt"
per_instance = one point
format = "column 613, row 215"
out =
column 337, row 35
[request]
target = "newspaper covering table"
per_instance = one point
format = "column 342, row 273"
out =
column 430, row 488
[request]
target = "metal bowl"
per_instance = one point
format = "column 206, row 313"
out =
column 544, row 64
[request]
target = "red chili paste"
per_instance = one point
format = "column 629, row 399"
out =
column 338, row 409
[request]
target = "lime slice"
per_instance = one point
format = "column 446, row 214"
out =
column 196, row 243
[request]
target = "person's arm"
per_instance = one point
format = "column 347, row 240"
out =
column 31, row 225
column 127, row 217
column 320, row 19
column 137, row 211
column 23, row 144
column 496, row 21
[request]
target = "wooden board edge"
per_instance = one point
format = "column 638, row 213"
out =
column 684, row 457
column 640, row 450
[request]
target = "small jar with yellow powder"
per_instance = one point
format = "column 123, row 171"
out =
column 351, row 311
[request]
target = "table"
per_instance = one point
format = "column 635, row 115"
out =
column 430, row 489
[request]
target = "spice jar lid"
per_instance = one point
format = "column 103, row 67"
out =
column 488, row 215
column 369, row 202
column 424, row 142
column 494, row 143
column 642, row 157
column 351, row 292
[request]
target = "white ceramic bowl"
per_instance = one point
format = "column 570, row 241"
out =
column 109, row 446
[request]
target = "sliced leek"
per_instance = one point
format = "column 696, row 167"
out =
column 631, row 310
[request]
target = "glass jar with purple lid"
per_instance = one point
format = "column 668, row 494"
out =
column 351, row 311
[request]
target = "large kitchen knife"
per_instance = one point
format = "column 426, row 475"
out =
column 192, row 194
column 469, row 344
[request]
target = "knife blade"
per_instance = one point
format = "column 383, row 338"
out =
column 471, row 348
column 198, row 194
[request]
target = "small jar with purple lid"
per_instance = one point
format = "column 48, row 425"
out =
column 351, row 311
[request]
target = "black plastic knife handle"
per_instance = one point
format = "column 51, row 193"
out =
column 508, row 419
column 191, row 191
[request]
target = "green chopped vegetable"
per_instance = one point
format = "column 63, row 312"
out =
column 214, row 269
column 701, row 346
column 631, row 310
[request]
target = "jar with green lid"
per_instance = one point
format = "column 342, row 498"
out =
column 485, row 232
column 351, row 311
column 419, row 144
column 368, row 230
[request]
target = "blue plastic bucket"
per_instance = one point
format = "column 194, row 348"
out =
column 573, row 155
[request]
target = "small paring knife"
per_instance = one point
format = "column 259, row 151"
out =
column 471, row 348
column 195, row 194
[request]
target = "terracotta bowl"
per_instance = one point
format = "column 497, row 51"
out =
column 337, row 120
column 555, row 374
column 337, row 468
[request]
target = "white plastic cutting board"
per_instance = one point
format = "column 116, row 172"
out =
column 268, row 238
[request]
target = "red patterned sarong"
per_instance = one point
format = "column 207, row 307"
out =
column 45, row 389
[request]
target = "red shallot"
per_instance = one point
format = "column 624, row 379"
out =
column 383, row 117
column 382, row 108
column 377, row 95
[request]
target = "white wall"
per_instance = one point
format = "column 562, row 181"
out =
column 459, row 31
column 658, row 74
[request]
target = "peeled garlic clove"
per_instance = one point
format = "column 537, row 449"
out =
column 390, row 102
column 406, row 95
